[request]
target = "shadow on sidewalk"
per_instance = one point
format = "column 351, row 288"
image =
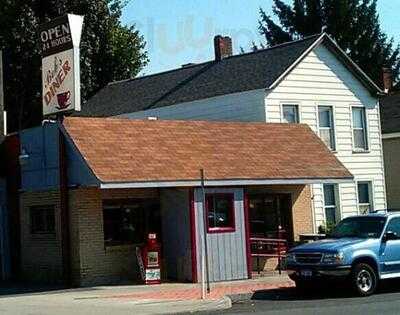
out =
column 15, row 288
column 329, row 291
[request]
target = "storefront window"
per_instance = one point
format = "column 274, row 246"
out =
column 128, row 222
column 220, row 212
column 42, row 220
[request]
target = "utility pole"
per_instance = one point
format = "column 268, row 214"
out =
column 3, row 123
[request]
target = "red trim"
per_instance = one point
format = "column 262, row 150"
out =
column 193, row 235
column 247, row 227
column 232, row 223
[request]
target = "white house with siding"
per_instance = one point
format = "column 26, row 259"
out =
column 311, row 81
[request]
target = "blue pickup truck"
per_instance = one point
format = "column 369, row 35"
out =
column 361, row 250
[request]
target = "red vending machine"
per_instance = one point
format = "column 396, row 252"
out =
column 149, row 260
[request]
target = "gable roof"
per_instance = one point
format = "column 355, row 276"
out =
column 390, row 113
column 251, row 71
column 148, row 152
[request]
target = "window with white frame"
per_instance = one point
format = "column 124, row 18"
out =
column 326, row 126
column 332, row 215
column 360, row 139
column 290, row 113
column 364, row 197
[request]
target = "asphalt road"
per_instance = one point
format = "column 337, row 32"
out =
column 336, row 300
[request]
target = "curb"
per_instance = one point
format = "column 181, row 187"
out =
column 247, row 296
column 240, row 297
column 223, row 303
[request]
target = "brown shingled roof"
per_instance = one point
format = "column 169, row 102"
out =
column 122, row 150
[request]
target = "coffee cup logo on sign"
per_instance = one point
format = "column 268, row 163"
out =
column 63, row 99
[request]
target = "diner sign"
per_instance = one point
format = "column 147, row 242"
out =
column 60, row 40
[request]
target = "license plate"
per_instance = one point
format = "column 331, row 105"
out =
column 306, row 273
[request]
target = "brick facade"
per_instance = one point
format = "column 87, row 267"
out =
column 92, row 262
column 41, row 254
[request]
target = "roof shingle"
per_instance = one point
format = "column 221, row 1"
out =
column 121, row 150
column 256, row 70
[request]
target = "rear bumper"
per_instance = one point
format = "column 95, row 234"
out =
column 296, row 272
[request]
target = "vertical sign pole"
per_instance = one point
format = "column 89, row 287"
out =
column 205, row 230
column 3, row 123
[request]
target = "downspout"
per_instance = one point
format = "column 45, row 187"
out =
column 64, row 209
column 314, row 223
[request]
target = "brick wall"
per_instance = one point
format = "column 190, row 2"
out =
column 391, row 153
column 41, row 255
column 302, row 211
column 92, row 262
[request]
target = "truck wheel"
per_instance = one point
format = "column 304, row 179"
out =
column 364, row 279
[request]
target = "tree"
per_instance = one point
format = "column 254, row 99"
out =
column 354, row 24
column 109, row 51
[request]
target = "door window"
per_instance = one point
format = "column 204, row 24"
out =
column 220, row 212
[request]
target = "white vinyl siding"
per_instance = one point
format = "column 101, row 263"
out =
column 244, row 106
column 321, row 79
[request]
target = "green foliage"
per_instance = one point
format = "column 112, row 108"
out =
column 326, row 228
column 109, row 51
column 354, row 24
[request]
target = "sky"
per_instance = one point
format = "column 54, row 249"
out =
column 178, row 32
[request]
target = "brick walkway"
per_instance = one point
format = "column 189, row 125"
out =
column 194, row 293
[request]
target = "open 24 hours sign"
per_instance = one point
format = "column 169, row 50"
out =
column 60, row 40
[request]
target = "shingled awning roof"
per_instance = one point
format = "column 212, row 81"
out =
column 144, row 153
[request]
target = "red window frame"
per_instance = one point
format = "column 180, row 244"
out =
column 232, row 222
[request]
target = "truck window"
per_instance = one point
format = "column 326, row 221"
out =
column 394, row 226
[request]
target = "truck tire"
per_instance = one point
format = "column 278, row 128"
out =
column 364, row 279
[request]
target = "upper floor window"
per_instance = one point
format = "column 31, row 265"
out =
column 326, row 126
column 332, row 214
column 290, row 113
column 360, row 141
column 42, row 219
column 220, row 212
column 364, row 197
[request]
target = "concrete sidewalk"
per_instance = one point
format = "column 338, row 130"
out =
column 167, row 298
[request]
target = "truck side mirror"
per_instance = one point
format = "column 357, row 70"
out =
column 390, row 235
